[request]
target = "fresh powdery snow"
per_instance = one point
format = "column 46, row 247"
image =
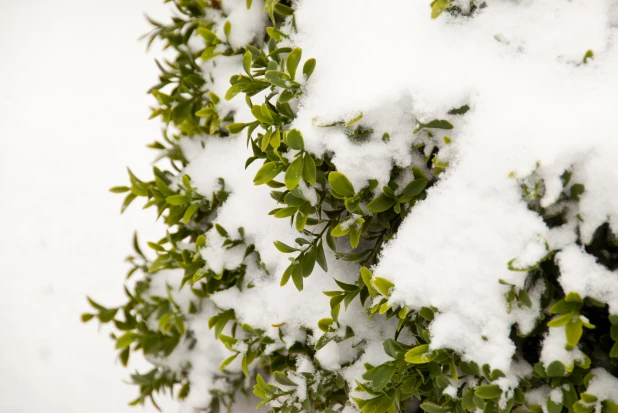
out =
column 518, row 65
column 535, row 107
column 603, row 385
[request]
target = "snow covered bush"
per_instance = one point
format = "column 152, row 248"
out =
column 381, row 206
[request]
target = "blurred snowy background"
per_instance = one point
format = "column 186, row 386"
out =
column 73, row 115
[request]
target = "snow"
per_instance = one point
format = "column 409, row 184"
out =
column 579, row 272
column 556, row 396
column 603, row 385
column 247, row 24
column 73, row 115
column 535, row 109
column 532, row 103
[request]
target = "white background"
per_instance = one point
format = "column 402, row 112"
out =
column 73, row 115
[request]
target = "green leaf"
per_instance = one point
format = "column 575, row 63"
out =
column 366, row 276
column 573, row 297
column 275, row 140
column 562, row 306
column 613, row 331
column 392, row 347
column 438, row 7
column 325, row 324
column 293, row 61
column 382, row 285
column 294, row 173
column 413, row 189
column 524, row 298
column 436, row 123
column 574, row 331
column 214, row 97
column 221, row 230
column 382, row 376
column 286, row 249
column 233, row 91
column 355, row 233
column 210, row 53
column 119, row 189
column 588, row 398
column 614, row 351
column 107, row 315
column 283, row 379
column 87, row 317
column 283, row 10
column 200, row 242
column 490, row 391
column 180, row 325
column 190, row 212
column 297, row 277
column 301, row 221
column 556, row 369
column 380, row 204
column 235, row 128
column 278, row 78
column 459, row 111
column 561, row 321
column 294, row 140
column 609, row 406
column 227, row 361
column 420, row 355
column 308, row 68
column 430, row 407
column 262, row 113
column 245, row 365
column 286, row 212
column 321, row 257
column 265, row 140
column 293, row 200
column 286, row 275
column 340, row 184
column 341, row 229
column 267, row 173
column 178, row 199
column 309, row 169
column 247, row 59
column 354, row 120
column 307, row 262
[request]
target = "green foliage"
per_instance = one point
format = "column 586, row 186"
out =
column 352, row 219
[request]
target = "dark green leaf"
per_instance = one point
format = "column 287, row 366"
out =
column 284, row 247
column 490, row 391
column 308, row 68
column 294, row 140
column 380, row 204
